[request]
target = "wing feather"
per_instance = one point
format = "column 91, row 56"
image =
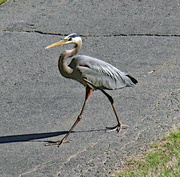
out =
column 98, row 73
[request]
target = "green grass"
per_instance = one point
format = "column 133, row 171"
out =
column 2, row 1
column 163, row 160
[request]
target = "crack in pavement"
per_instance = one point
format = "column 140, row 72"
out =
column 75, row 155
column 174, row 108
column 95, row 35
column 43, row 165
column 40, row 166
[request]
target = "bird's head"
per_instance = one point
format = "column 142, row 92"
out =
column 70, row 39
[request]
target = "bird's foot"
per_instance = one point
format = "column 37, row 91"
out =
column 117, row 128
column 57, row 143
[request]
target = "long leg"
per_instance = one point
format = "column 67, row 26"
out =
column 119, row 126
column 88, row 93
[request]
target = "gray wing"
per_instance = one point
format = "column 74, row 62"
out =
column 99, row 74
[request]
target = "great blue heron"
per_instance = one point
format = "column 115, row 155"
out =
column 93, row 74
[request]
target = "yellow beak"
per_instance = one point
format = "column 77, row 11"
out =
column 56, row 44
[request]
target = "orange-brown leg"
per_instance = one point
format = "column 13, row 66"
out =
column 58, row 143
column 119, row 126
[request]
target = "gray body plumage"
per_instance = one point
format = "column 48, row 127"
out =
column 98, row 74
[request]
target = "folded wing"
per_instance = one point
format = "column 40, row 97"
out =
column 99, row 74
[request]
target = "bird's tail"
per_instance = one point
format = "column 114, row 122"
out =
column 132, row 79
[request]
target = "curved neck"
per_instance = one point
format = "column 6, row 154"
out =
column 64, row 69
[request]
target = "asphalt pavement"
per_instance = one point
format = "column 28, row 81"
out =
column 37, row 104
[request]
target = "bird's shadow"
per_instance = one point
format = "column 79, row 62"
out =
column 37, row 136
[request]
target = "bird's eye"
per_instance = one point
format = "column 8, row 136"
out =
column 70, row 39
